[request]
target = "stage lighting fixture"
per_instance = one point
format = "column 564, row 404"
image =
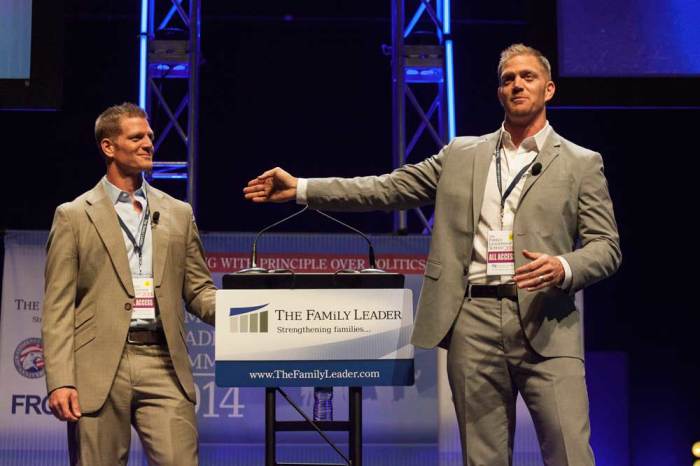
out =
column 169, row 58
column 696, row 450
column 424, row 63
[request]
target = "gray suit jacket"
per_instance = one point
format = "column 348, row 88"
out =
column 89, row 291
column 566, row 202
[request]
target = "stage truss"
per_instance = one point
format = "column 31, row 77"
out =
column 421, row 55
column 169, row 59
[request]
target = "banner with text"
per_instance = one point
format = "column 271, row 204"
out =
column 227, row 416
column 320, row 337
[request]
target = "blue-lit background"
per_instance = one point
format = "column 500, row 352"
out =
column 305, row 85
column 629, row 38
column 15, row 38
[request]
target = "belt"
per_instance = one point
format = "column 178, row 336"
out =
column 507, row 291
column 146, row 337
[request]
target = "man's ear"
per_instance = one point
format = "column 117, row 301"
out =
column 549, row 90
column 107, row 148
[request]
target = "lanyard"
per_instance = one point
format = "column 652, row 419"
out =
column 511, row 186
column 143, row 226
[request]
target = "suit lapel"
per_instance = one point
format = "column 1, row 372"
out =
column 160, row 232
column 102, row 214
column 549, row 152
column 482, row 161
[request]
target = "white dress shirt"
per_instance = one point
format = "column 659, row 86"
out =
column 513, row 159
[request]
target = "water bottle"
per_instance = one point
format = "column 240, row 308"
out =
column 323, row 403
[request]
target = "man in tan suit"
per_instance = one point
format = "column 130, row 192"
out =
column 503, row 265
column 121, row 258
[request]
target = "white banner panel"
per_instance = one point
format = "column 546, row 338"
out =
column 352, row 336
column 23, row 403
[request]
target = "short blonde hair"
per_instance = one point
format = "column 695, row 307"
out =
column 108, row 124
column 515, row 50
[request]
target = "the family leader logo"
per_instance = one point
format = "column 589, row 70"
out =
column 29, row 358
column 247, row 320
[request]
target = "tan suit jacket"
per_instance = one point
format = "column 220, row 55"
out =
column 89, row 291
column 566, row 202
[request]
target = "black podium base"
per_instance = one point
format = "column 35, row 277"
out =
column 353, row 426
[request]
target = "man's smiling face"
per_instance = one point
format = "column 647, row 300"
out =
column 524, row 89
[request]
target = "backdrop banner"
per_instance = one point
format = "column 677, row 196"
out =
column 407, row 425
column 229, row 417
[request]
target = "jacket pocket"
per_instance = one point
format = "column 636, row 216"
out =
column 83, row 336
column 433, row 269
column 82, row 316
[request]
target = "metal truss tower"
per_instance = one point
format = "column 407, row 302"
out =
column 169, row 58
column 421, row 55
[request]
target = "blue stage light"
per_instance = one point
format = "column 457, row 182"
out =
column 451, row 124
column 449, row 68
column 143, row 51
column 446, row 19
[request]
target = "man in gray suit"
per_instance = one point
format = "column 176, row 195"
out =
column 510, row 208
column 121, row 259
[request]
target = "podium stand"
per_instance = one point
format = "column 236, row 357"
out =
column 353, row 426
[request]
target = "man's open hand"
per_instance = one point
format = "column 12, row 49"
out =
column 274, row 185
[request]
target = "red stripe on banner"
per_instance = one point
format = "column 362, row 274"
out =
column 321, row 263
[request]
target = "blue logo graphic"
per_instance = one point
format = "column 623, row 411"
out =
column 246, row 320
column 236, row 311
column 29, row 358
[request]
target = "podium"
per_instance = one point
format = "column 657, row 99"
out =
column 299, row 330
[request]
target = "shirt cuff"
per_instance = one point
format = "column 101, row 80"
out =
column 567, row 274
column 301, row 191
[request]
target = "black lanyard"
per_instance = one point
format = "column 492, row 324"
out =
column 511, row 186
column 138, row 246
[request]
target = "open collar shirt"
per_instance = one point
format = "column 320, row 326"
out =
column 133, row 220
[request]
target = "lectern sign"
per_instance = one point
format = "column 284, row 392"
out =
column 314, row 337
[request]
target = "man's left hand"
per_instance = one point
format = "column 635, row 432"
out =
column 542, row 272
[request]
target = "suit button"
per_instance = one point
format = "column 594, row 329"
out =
column 127, row 306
